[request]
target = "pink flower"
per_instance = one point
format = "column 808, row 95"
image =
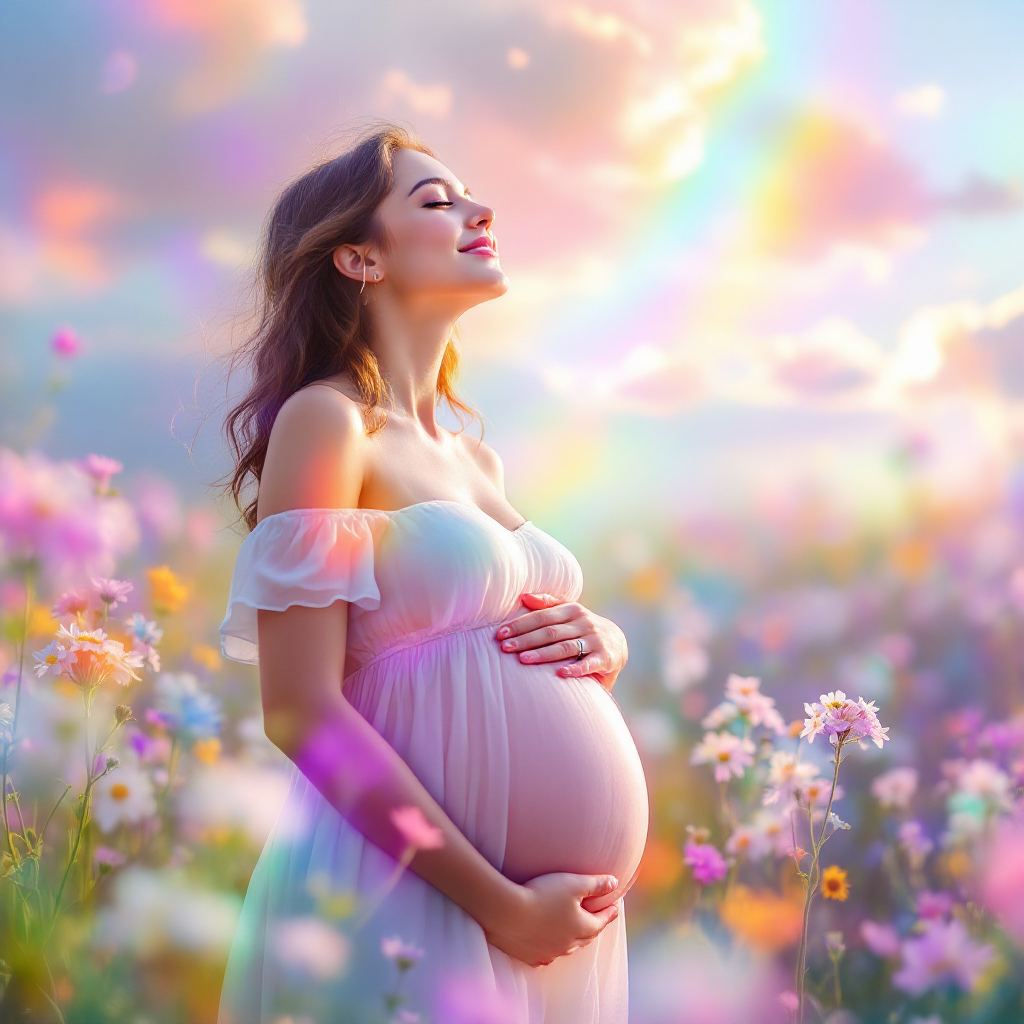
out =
column 50, row 513
column 65, row 342
column 101, row 469
column 108, row 856
column 744, row 692
column 881, row 939
column 1002, row 887
column 944, row 952
column 415, row 829
column 71, row 602
column 720, row 715
column 112, row 592
column 731, row 755
column 707, row 864
column 92, row 657
column 790, row 1001
column 838, row 716
column 934, row 905
column 787, row 776
column 895, row 788
column 748, row 841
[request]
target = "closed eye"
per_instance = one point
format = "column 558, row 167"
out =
column 438, row 202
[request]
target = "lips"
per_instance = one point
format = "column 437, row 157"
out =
column 482, row 246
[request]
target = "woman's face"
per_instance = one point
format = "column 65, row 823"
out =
column 441, row 247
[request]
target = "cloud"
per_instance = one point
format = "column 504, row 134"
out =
column 62, row 246
column 831, row 363
column 832, row 359
column 397, row 87
column 237, row 35
column 646, row 379
column 927, row 100
column 604, row 26
column 979, row 195
column 840, row 183
column 963, row 346
column 837, row 181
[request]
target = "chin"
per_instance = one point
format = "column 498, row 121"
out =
column 487, row 287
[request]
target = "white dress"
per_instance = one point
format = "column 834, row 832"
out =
column 538, row 771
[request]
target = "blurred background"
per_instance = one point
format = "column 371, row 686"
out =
column 760, row 365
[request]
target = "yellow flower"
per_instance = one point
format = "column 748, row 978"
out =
column 762, row 918
column 169, row 593
column 206, row 749
column 207, row 656
column 834, row 885
column 41, row 622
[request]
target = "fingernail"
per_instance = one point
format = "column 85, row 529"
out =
column 504, row 631
column 527, row 656
column 508, row 645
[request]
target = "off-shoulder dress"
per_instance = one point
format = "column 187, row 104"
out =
column 538, row 771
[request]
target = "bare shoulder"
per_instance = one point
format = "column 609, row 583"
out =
column 316, row 453
column 486, row 459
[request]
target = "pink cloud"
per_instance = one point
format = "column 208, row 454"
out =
column 838, row 182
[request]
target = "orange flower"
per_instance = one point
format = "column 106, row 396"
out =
column 660, row 865
column 206, row 749
column 169, row 592
column 762, row 918
column 834, row 885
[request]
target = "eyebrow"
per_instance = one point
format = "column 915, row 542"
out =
column 436, row 181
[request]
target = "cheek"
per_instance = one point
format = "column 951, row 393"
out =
column 427, row 240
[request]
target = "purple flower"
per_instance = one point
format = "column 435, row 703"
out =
column 112, row 592
column 108, row 856
column 707, row 864
column 934, row 905
column 838, row 716
column 881, row 939
column 944, row 952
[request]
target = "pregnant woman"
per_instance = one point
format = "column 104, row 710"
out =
column 424, row 661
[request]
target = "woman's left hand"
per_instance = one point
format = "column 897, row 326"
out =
column 548, row 633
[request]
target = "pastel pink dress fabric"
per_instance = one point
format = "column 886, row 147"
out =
column 538, row 771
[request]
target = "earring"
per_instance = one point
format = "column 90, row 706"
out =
column 364, row 277
column 375, row 275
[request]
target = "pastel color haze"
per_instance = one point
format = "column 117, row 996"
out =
column 755, row 248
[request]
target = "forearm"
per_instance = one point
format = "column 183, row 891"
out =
column 364, row 778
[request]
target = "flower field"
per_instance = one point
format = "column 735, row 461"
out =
column 830, row 725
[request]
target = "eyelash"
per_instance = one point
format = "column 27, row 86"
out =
column 438, row 202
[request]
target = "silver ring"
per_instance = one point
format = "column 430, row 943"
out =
column 579, row 643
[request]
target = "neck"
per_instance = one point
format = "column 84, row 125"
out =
column 409, row 344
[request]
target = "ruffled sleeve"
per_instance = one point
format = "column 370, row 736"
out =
column 310, row 557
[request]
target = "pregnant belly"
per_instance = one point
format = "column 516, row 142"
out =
column 577, row 793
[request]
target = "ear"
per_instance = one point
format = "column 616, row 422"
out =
column 349, row 261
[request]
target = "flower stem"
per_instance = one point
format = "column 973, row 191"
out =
column 22, row 644
column 406, row 859
column 813, row 879
column 83, row 813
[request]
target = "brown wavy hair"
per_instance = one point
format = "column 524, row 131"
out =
column 309, row 322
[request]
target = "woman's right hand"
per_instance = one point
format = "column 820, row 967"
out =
column 547, row 920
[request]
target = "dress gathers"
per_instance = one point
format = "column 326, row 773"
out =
column 538, row 771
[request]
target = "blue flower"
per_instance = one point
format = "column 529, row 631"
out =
column 144, row 629
column 189, row 712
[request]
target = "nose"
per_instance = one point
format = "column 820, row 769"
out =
column 481, row 216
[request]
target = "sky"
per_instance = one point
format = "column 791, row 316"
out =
column 756, row 249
